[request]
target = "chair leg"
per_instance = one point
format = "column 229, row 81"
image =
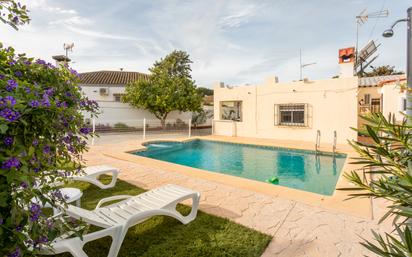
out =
column 193, row 213
column 117, row 241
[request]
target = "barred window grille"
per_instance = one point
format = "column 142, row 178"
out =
column 291, row 115
column 118, row 97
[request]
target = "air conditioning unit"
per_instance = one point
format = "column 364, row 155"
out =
column 104, row 91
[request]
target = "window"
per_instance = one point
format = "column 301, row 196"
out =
column 291, row 115
column 231, row 110
column 118, row 97
column 367, row 99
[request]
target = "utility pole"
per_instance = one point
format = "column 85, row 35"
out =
column 389, row 33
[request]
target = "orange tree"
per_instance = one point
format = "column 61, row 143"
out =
column 169, row 88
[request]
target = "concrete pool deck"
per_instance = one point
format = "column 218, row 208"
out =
column 335, row 202
column 299, row 226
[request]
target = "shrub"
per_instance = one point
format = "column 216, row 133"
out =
column 180, row 123
column 42, row 137
column 388, row 156
column 120, row 125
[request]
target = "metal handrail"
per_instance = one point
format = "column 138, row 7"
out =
column 335, row 138
column 317, row 140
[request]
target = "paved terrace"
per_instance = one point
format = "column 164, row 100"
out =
column 298, row 229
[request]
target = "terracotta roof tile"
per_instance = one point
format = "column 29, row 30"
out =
column 376, row 81
column 111, row 77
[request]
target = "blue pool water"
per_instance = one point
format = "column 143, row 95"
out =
column 298, row 169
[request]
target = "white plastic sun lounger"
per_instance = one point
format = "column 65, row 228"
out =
column 91, row 175
column 117, row 218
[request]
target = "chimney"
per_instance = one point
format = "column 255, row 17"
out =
column 271, row 80
column 61, row 60
column 346, row 62
column 219, row 85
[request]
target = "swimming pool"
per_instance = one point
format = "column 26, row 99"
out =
column 300, row 169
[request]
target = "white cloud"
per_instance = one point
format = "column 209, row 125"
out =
column 240, row 16
column 235, row 41
column 72, row 21
column 44, row 5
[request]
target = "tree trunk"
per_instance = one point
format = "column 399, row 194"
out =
column 163, row 122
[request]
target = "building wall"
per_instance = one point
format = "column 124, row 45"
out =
column 332, row 105
column 375, row 92
column 112, row 112
column 393, row 98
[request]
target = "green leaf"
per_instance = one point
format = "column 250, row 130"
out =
column 3, row 128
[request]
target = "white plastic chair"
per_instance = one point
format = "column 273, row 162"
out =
column 91, row 175
column 75, row 245
column 117, row 218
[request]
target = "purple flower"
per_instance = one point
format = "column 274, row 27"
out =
column 11, row 85
column 13, row 162
column 9, row 114
column 61, row 104
column 23, row 185
column 19, row 228
column 57, row 194
column 34, row 103
column 74, row 72
column 35, row 211
column 7, row 101
column 27, row 62
column 39, row 61
column 42, row 240
column 49, row 92
column 45, row 102
column 13, row 62
column 15, row 19
column 2, row 76
column 67, row 139
column 46, row 149
column 18, row 73
column 27, row 90
column 15, row 253
column 71, row 149
column 1, row 221
column 85, row 130
column 35, row 142
column 8, row 141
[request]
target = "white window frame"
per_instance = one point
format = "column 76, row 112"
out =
column 117, row 95
column 239, row 116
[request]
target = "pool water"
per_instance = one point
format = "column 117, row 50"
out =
column 300, row 169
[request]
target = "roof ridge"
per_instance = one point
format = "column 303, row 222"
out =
column 111, row 77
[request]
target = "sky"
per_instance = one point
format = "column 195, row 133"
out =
column 236, row 42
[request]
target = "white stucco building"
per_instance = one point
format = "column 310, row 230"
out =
column 107, row 87
column 297, row 110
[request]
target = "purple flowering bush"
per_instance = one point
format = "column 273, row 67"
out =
column 42, row 138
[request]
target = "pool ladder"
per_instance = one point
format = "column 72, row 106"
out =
column 317, row 140
column 335, row 138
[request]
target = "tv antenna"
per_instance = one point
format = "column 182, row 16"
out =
column 361, row 19
column 303, row 65
column 68, row 47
